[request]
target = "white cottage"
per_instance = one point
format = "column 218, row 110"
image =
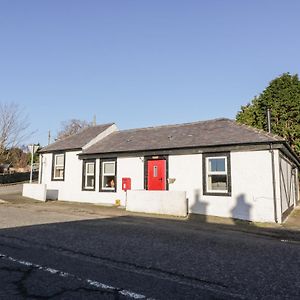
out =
column 216, row 167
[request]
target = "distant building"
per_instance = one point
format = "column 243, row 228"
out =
column 4, row 168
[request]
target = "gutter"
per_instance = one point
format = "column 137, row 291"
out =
column 58, row 150
column 292, row 154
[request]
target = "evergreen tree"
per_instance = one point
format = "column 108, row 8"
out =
column 282, row 96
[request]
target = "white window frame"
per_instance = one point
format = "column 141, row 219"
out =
column 210, row 173
column 105, row 188
column 55, row 166
column 86, row 175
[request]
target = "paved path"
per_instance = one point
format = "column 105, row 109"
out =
column 73, row 251
column 11, row 189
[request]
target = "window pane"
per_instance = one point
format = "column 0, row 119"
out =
column 90, row 181
column 217, row 182
column 108, row 182
column 59, row 160
column 109, row 168
column 216, row 165
column 155, row 171
column 90, row 168
column 58, row 173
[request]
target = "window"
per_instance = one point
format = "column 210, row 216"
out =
column 108, row 176
column 216, row 174
column 58, row 166
column 89, row 175
column 155, row 171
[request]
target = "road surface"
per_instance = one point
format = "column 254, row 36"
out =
column 64, row 251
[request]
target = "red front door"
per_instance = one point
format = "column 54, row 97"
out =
column 157, row 175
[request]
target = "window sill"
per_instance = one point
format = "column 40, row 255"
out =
column 57, row 179
column 226, row 194
column 107, row 191
column 88, row 189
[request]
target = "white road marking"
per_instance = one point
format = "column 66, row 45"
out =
column 90, row 282
column 291, row 242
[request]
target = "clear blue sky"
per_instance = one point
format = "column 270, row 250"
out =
column 141, row 63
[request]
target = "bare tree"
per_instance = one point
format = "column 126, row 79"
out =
column 71, row 127
column 13, row 126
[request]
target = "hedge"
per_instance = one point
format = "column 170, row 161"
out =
column 17, row 177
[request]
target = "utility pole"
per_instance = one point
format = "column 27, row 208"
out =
column 49, row 137
column 32, row 148
column 31, row 167
column 94, row 121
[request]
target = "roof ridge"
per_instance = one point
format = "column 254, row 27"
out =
column 70, row 137
column 82, row 130
column 173, row 125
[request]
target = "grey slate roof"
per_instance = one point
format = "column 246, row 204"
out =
column 76, row 141
column 198, row 134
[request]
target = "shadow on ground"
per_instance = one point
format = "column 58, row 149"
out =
column 188, row 252
column 289, row 230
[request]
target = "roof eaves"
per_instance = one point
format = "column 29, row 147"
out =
column 295, row 157
column 58, row 150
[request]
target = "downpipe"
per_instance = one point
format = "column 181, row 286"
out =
column 274, row 182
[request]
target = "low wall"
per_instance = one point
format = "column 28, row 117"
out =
column 35, row 191
column 157, row 202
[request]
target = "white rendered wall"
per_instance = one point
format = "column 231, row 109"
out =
column 71, row 188
column 187, row 172
column 252, row 183
column 132, row 167
column 172, row 203
column 34, row 191
column 45, row 167
column 277, row 186
column 251, row 177
column 40, row 168
column 53, row 187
